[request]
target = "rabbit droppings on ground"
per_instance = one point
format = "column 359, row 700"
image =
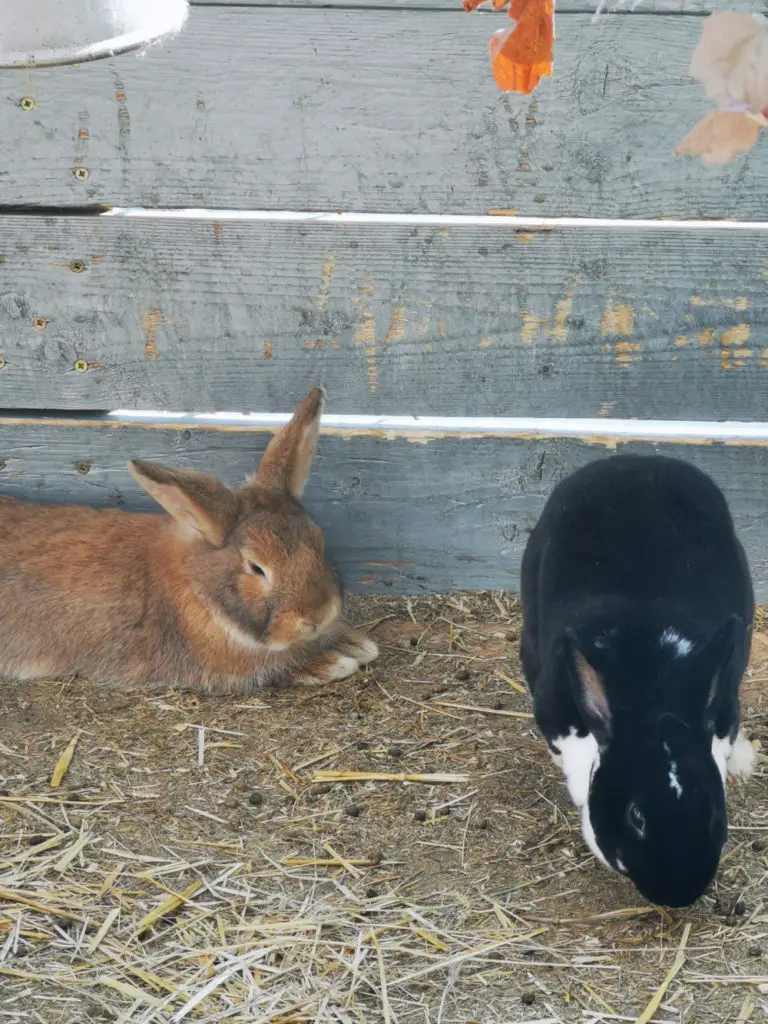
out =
column 637, row 620
column 230, row 591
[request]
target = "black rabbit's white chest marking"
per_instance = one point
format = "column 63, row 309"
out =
column 671, row 638
column 578, row 757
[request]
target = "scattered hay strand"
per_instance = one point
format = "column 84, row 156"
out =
column 347, row 865
column 129, row 990
column 748, row 1008
column 483, row 711
column 62, row 765
column 385, row 1007
column 101, row 934
column 427, row 778
column 513, row 683
column 330, row 862
column 168, row 905
column 74, row 851
column 43, row 908
column 317, row 759
column 677, row 966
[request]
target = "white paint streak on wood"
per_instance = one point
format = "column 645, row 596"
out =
column 436, row 219
column 471, row 426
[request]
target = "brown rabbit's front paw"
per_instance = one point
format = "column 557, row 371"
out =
column 352, row 650
column 329, row 668
column 359, row 646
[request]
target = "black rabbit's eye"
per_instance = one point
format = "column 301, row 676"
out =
column 636, row 819
column 256, row 569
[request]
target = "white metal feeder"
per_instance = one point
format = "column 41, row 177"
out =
column 39, row 33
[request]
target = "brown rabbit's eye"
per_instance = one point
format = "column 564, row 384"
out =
column 255, row 569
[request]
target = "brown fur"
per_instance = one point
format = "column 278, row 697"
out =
column 179, row 599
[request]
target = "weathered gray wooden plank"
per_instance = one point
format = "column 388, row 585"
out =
column 620, row 7
column 400, row 516
column 244, row 316
column 374, row 110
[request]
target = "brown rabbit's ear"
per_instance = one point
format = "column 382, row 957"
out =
column 288, row 458
column 194, row 499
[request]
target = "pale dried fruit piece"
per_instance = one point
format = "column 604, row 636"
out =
column 731, row 62
column 720, row 137
column 731, row 59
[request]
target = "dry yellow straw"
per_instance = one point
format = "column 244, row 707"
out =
column 328, row 862
column 347, row 865
column 63, row 763
column 101, row 934
column 168, row 905
column 383, row 981
column 483, row 711
column 511, row 682
column 655, row 1002
column 428, row 779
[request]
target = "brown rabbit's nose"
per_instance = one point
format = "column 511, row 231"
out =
column 288, row 628
column 306, row 627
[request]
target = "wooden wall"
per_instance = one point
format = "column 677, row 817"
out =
column 379, row 108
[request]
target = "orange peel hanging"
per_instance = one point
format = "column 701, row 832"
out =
column 522, row 54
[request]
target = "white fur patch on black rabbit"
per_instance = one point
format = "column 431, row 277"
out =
column 637, row 613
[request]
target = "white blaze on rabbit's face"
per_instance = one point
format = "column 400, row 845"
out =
column 590, row 838
column 674, row 781
column 671, row 638
column 579, row 758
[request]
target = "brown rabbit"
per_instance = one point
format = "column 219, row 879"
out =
column 230, row 591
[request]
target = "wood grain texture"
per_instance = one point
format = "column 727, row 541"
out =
column 243, row 317
column 374, row 110
column 399, row 516
column 570, row 6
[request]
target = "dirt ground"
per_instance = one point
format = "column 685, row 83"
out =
column 195, row 866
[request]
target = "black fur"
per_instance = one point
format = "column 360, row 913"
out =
column 627, row 548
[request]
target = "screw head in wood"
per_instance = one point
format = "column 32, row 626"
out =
column 81, row 366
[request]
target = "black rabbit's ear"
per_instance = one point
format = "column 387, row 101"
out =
column 589, row 689
column 719, row 659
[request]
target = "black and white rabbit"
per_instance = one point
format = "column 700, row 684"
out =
column 637, row 625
